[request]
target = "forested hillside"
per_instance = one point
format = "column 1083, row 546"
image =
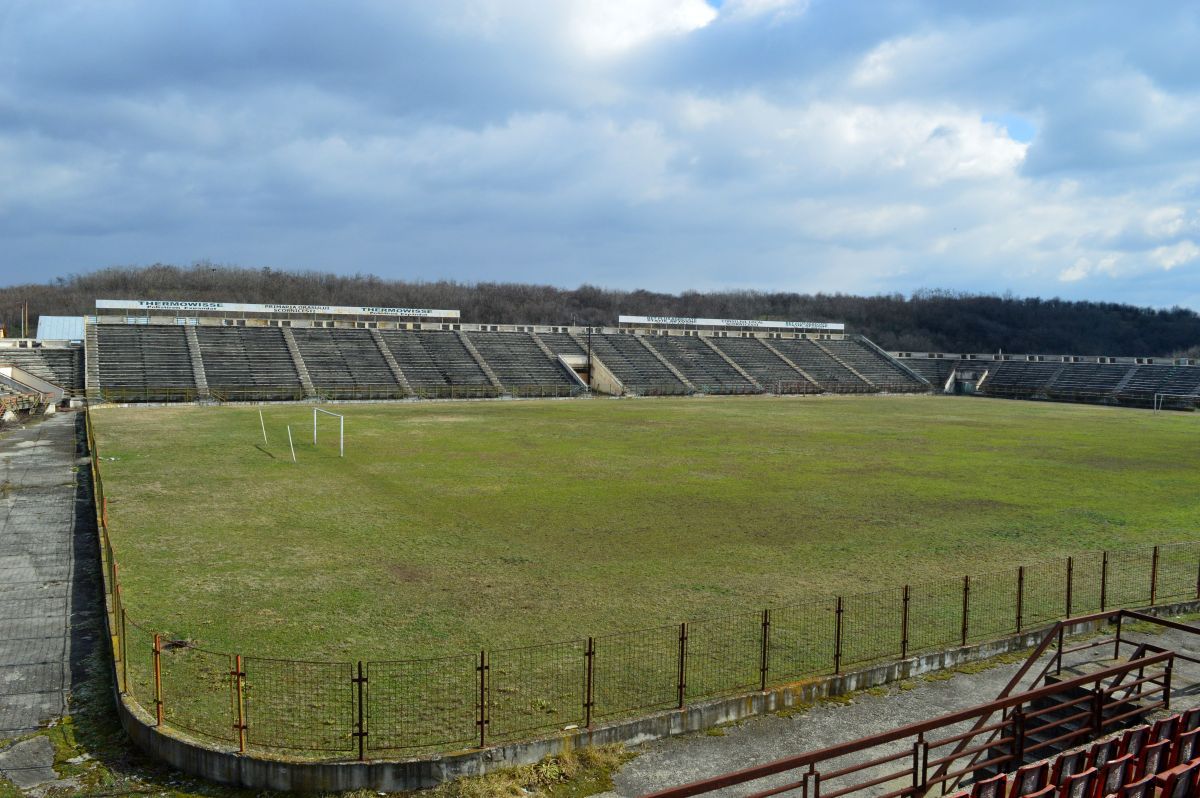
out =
column 926, row 321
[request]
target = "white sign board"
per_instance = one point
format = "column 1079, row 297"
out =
column 242, row 307
column 694, row 322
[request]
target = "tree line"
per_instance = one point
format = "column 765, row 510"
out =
column 940, row 321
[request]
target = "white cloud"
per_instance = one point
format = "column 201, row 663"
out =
column 615, row 26
column 1175, row 255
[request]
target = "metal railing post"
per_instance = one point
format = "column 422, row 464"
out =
column 1020, row 595
column 1018, row 746
column 1117, row 639
column 239, row 686
column 918, row 765
column 681, row 681
column 158, row 697
column 966, row 607
column 1104, row 582
column 1167, row 684
column 764, row 658
column 1058, row 653
column 589, row 657
column 837, row 638
column 904, row 625
column 1154, row 577
column 1098, row 709
column 483, row 719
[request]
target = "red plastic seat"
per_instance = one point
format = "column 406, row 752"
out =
column 1116, row 773
column 1029, row 779
column 1178, row 782
column 1154, row 758
column 1187, row 747
column 1165, row 729
column 1079, row 785
column 990, row 788
column 1190, row 719
column 1103, row 751
column 1134, row 740
column 1142, row 788
column 1067, row 765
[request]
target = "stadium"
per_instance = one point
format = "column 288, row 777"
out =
column 337, row 555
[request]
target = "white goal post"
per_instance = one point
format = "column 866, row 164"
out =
column 341, row 429
column 1159, row 398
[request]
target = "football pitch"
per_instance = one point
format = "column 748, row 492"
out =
column 454, row 526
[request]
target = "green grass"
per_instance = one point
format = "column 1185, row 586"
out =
column 451, row 527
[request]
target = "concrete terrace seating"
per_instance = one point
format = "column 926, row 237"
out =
column 938, row 370
column 141, row 362
column 435, row 362
column 249, row 362
column 1087, row 380
column 1019, row 379
column 345, row 363
column 1154, row 379
column 61, row 366
column 517, row 360
column 639, row 370
column 764, row 365
column 563, row 343
column 874, row 366
column 703, row 367
column 829, row 374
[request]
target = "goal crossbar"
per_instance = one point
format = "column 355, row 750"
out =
column 1160, row 398
column 341, row 429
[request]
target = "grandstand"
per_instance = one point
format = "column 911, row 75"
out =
column 198, row 351
column 1126, row 381
column 163, row 351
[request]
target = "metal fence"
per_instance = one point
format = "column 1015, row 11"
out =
column 359, row 709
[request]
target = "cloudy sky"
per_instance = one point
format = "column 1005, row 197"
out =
column 1043, row 148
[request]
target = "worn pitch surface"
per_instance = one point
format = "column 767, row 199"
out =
column 450, row 526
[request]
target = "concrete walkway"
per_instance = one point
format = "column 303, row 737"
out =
column 47, row 571
column 675, row 761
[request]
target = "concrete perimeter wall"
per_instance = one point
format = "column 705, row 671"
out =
column 254, row 771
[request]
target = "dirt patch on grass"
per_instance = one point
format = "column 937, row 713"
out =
column 408, row 574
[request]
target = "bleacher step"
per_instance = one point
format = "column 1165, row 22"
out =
column 842, row 362
column 788, row 361
column 298, row 361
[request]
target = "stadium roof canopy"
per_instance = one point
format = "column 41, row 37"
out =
column 60, row 328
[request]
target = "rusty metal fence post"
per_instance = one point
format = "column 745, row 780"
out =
column 904, row 625
column 158, row 697
column 124, row 654
column 589, row 700
column 837, row 638
column 1070, row 583
column 1104, row 582
column 681, row 680
column 239, row 698
column 764, row 654
column 1154, row 577
column 360, row 731
column 482, row 720
column 1020, row 595
column 966, row 608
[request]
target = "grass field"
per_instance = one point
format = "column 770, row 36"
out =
column 453, row 526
